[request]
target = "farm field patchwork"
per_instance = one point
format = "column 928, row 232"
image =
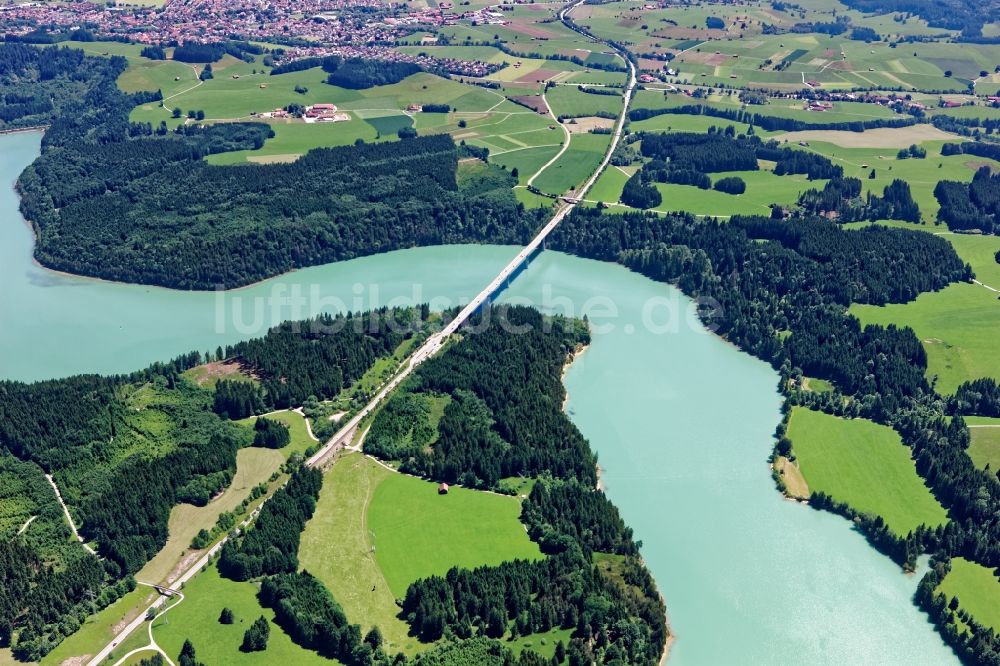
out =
column 865, row 465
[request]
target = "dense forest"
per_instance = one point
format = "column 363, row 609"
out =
column 841, row 199
column 503, row 415
column 271, row 545
column 781, row 288
column 307, row 612
column 177, row 221
column 961, row 15
column 973, row 206
column 358, row 73
column 318, row 357
column 135, row 203
column 39, row 85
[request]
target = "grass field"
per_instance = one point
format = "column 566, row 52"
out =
column 296, row 428
column 984, row 449
column 581, row 159
column 763, row 188
column 197, row 619
column 569, row 101
column 526, row 160
column 608, row 187
column 253, row 466
column 98, row 630
column 957, row 326
column 865, row 465
column 683, row 123
column 921, row 174
column 298, row 138
column 977, row 589
column 418, row 533
column 336, row 548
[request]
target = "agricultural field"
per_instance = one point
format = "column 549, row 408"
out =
column 569, row 101
column 922, row 174
column 735, row 51
column 608, row 187
column 580, row 160
column 684, row 123
column 508, row 131
column 977, row 589
column 865, row 465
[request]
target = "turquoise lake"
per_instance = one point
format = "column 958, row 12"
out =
column 682, row 422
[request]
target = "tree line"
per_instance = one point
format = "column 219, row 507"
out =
column 972, row 206
column 769, row 123
column 271, row 545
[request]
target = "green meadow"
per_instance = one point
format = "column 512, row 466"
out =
column 418, row 532
column 956, row 325
column 977, row 589
column 301, row 440
column 569, row 101
column 197, row 619
column 921, row 174
column 984, row 448
column 292, row 139
column 226, row 97
column 763, row 188
column 336, row 548
column 375, row 531
column 865, row 465
column 584, row 154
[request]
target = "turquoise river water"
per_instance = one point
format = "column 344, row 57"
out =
column 682, row 422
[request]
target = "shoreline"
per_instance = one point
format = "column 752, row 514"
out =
column 669, row 642
column 22, row 130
